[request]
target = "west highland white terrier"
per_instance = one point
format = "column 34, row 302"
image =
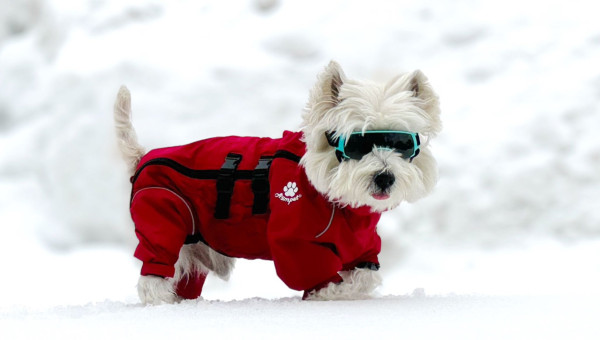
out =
column 309, row 201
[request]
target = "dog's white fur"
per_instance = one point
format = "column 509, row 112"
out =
column 338, row 104
column 131, row 150
column 155, row 290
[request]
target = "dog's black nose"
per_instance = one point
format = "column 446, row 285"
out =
column 384, row 180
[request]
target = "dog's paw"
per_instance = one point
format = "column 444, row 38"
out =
column 357, row 284
column 290, row 189
column 155, row 290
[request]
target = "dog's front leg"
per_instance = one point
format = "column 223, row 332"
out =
column 357, row 284
column 156, row 290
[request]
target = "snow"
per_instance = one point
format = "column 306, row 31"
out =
column 413, row 317
column 508, row 245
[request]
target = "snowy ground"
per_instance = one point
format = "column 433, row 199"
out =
column 542, row 292
column 508, row 246
column 406, row 317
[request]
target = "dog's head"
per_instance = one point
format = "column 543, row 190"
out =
column 367, row 143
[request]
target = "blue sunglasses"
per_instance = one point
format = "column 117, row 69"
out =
column 359, row 144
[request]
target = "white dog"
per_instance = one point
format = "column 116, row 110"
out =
column 310, row 201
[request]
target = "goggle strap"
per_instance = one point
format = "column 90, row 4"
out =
column 417, row 151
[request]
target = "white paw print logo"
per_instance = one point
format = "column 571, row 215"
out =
column 290, row 189
column 290, row 193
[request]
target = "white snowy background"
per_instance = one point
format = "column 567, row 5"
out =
column 507, row 247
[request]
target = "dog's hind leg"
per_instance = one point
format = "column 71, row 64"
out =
column 131, row 150
column 190, row 273
column 190, row 285
column 193, row 265
column 213, row 261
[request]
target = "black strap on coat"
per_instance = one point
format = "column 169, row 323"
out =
column 225, row 183
column 260, row 182
column 260, row 185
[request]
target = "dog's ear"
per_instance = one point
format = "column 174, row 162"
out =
column 336, row 77
column 419, row 85
column 414, row 81
column 414, row 84
column 324, row 96
column 421, row 89
column 329, row 82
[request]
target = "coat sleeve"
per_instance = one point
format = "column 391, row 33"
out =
column 297, row 215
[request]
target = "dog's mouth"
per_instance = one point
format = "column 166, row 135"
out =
column 380, row 196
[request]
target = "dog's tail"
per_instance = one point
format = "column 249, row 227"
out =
column 131, row 150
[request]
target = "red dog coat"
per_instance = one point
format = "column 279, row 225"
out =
column 247, row 197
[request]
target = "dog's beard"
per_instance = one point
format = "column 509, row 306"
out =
column 352, row 183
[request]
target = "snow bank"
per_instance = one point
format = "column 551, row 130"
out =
column 519, row 93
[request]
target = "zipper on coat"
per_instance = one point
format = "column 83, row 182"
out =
column 188, row 172
column 208, row 174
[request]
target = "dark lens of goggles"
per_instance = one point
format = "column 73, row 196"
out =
column 358, row 145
